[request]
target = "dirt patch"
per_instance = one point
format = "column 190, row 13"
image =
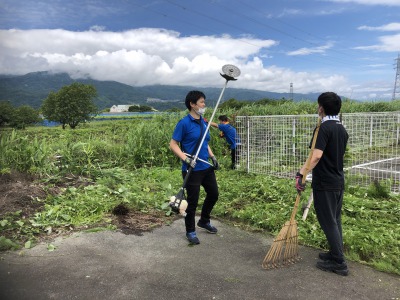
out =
column 26, row 193
column 18, row 192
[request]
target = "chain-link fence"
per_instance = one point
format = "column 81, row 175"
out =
column 279, row 145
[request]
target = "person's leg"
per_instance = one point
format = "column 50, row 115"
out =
column 233, row 158
column 211, row 188
column 327, row 204
column 193, row 191
column 339, row 214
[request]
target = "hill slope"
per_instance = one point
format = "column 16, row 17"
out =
column 32, row 88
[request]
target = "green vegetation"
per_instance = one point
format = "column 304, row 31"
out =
column 266, row 107
column 17, row 117
column 129, row 162
column 72, row 104
column 140, row 108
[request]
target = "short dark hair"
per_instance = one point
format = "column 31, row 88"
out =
column 192, row 97
column 330, row 102
column 223, row 118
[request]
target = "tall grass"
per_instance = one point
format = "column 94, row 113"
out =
column 130, row 143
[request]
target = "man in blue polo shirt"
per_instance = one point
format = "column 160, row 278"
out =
column 229, row 133
column 185, row 141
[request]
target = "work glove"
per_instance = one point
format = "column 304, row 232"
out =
column 215, row 163
column 300, row 186
column 190, row 162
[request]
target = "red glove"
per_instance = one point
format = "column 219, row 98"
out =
column 300, row 186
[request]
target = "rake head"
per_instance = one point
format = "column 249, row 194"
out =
column 284, row 249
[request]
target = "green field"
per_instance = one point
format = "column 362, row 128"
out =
column 129, row 162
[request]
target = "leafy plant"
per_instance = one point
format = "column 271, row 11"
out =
column 72, row 104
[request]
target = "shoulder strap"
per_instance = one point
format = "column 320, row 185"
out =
column 201, row 135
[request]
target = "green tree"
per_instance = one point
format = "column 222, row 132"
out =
column 6, row 112
column 232, row 103
column 173, row 109
column 23, row 116
column 49, row 108
column 71, row 105
column 139, row 108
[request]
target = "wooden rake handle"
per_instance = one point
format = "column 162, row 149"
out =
column 307, row 169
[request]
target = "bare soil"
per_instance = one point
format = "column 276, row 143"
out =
column 26, row 193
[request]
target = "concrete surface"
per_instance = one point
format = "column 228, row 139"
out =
column 161, row 265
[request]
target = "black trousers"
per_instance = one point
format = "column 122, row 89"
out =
column 328, row 207
column 206, row 179
column 233, row 158
column 234, row 152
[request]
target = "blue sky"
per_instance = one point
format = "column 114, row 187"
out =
column 346, row 46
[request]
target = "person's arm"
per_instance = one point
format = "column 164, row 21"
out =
column 316, row 156
column 214, row 160
column 214, row 124
column 174, row 146
column 210, row 153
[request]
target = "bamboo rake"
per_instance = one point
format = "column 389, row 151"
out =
column 284, row 249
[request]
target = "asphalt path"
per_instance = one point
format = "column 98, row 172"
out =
column 161, row 265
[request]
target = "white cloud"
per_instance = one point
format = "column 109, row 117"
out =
column 155, row 56
column 308, row 51
column 388, row 43
column 387, row 27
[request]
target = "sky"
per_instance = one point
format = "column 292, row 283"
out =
column 350, row 47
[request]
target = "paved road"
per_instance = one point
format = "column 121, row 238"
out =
column 161, row 265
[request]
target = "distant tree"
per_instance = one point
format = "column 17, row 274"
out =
column 71, row 105
column 139, row 108
column 23, row 116
column 6, row 112
column 173, row 109
column 49, row 107
column 233, row 103
column 273, row 102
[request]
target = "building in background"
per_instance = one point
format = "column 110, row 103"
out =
column 120, row 108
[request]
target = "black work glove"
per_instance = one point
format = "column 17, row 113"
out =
column 215, row 163
column 190, row 162
column 300, row 186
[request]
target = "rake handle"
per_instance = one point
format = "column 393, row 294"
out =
column 307, row 170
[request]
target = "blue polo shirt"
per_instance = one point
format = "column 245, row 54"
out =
column 229, row 134
column 188, row 133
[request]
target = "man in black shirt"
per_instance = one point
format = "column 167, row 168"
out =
column 328, row 180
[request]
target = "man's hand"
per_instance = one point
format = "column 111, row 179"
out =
column 300, row 186
column 215, row 163
column 190, row 162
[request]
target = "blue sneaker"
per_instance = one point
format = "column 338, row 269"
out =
column 192, row 238
column 207, row 226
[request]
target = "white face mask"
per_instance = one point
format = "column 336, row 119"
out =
column 201, row 111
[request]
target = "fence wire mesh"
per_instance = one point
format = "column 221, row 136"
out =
column 279, row 145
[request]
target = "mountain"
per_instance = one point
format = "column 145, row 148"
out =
column 32, row 88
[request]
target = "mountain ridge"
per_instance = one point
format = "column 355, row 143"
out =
column 32, row 88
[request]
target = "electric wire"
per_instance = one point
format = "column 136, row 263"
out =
column 241, row 40
column 327, row 60
column 281, row 31
column 290, row 25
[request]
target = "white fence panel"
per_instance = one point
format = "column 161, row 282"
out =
column 279, row 145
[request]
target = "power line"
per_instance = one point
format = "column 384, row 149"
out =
column 328, row 60
column 285, row 33
column 192, row 24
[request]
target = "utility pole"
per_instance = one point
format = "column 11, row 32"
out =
column 396, row 90
column 291, row 91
